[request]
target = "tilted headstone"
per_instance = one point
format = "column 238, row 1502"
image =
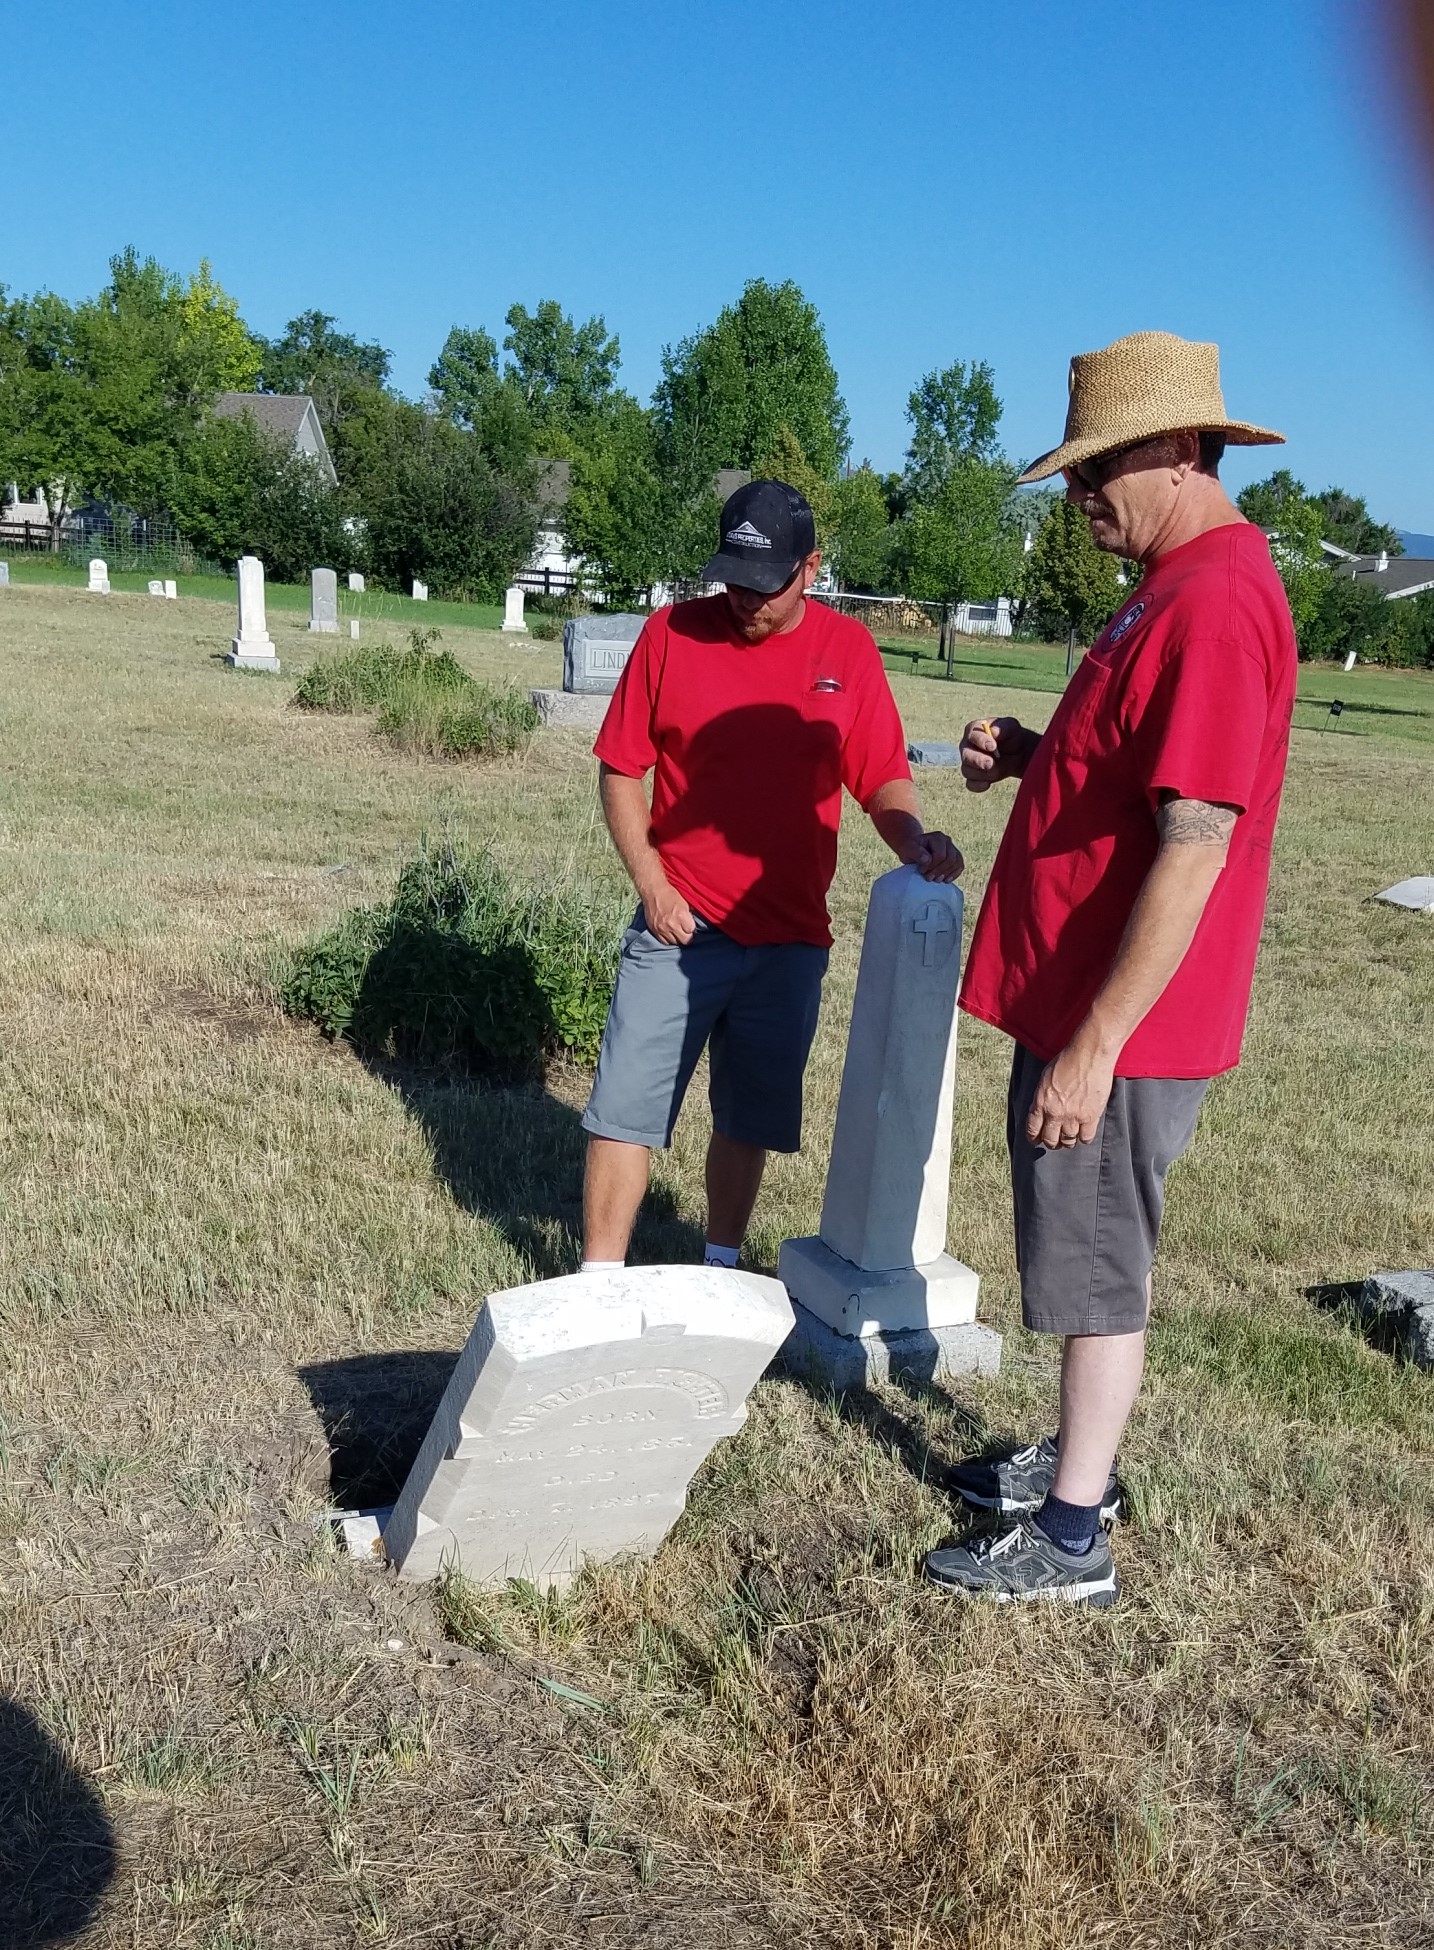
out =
column 324, row 602
column 253, row 648
column 99, row 583
column 877, row 1291
column 1416, row 894
column 596, row 650
column 171, row 590
column 1351, row 660
column 355, row 582
column 420, row 592
column 156, row 587
column 4, row 575
column 513, row 609
column 576, row 1417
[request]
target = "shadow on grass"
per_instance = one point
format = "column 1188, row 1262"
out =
column 895, row 1419
column 57, row 1852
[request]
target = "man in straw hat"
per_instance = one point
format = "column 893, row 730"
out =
column 1117, row 939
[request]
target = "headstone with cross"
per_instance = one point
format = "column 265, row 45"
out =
column 876, row 1292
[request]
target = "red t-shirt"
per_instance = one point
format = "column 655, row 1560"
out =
column 1190, row 689
column 751, row 745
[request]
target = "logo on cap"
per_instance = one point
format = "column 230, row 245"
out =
column 747, row 537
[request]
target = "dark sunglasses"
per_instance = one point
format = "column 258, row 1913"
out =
column 1093, row 474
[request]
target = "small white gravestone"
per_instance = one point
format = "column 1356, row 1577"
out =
column 576, row 1417
column 253, row 648
column 99, row 583
column 513, row 609
column 324, row 602
column 1416, row 894
column 4, row 575
column 354, row 629
column 420, row 592
column 877, row 1291
column 171, row 590
column 155, row 587
column 355, row 582
column 1351, row 660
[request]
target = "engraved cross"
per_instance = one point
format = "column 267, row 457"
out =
column 931, row 923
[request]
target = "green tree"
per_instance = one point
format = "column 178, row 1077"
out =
column 1347, row 522
column 965, row 543
column 954, row 416
column 785, row 461
column 217, row 350
column 465, row 376
column 1068, row 582
column 1267, row 503
column 564, row 372
column 337, row 371
column 240, row 490
column 861, row 531
column 618, row 515
column 727, row 390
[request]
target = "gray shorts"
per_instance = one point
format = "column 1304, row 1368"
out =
column 1088, row 1219
column 757, row 1007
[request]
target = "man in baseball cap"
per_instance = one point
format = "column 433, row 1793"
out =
column 753, row 709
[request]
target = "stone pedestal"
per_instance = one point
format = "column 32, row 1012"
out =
column 253, row 648
column 576, row 1417
column 570, row 710
column 324, row 602
column 513, row 610
column 876, row 1291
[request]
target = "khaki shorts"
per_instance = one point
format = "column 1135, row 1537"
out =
column 1088, row 1219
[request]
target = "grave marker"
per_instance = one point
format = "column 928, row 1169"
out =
column 420, row 592
column 595, row 654
column 253, row 648
column 576, row 1417
column 1416, row 893
column 355, row 582
column 353, row 629
column 156, row 588
column 99, row 583
column 4, row 575
column 323, row 602
column 171, row 591
column 513, row 609
column 877, row 1292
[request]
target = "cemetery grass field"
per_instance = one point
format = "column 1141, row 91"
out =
column 236, row 1262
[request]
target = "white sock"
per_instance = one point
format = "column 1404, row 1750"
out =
column 720, row 1255
column 603, row 1265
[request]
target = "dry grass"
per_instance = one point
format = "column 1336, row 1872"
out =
column 235, row 1261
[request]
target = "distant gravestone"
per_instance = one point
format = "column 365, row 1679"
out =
column 156, row 587
column 877, row 1292
column 355, row 582
column 1351, row 660
column 4, row 575
column 596, row 650
column 513, row 609
column 171, row 591
column 933, row 751
column 99, row 583
column 252, row 648
column 576, row 1417
column 420, row 592
column 353, row 629
column 1416, row 894
column 324, row 602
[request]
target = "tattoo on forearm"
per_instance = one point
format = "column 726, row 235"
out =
column 1195, row 822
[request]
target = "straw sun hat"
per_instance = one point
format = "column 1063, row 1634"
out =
column 1144, row 385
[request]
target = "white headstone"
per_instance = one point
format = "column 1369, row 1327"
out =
column 155, row 587
column 99, row 583
column 171, row 590
column 878, row 1276
column 513, row 609
column 1351, row 660
column 1417, row 894
column 324, row 602
column 253, row 648
column 356, row 581
column 576, row 1417
column 354, row 628
column 420, row 592
column 4, row 575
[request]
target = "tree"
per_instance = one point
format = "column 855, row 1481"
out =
column 617, row 516
column 726, row 391
column 217, row 350
column 785, row 461
column 465, row 376
column 1294, row 522
column 240, row 490
column 861, row 531
column 965, row 544
column 1267, row 503
column 337, row 371
column 954, row 416
column 1347, row 522
column 564, row 372
column 1070, row 584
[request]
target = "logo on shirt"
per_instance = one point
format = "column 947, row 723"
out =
column 747, row 537
column 1127, row 622
column 827, row 684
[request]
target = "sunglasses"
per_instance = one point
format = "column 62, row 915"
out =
column 1093, row 474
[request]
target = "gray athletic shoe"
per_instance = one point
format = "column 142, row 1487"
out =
column 1016, row 1481
column 1023, row 1566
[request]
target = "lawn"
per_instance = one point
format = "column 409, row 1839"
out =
column 236, row 1263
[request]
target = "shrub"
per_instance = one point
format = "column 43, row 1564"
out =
column 546, row 627
column 424, row 699
column 463, row 968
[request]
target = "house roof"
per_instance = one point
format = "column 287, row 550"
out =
column 274, row 412
column 1401, row 575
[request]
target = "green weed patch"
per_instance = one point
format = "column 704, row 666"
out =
column 423, row 699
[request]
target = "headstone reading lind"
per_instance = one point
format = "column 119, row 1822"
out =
column 99, row 583
column 513, row 609
column 420, row 592
column 876, row 1291
column 595, row 654
column 355, row 582
column 253, row 648
column 576, row 1417
column 354, row 629
column 171, row 590
column 155, row 587
column 324, row 602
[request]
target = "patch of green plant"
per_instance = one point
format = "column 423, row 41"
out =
column 368, row 678
column 547, row 628
column 463, row 968
column 476, row 722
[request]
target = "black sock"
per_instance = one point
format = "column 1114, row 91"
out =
column 1071, row 1525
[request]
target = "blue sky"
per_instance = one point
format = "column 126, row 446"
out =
column 944, row 178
